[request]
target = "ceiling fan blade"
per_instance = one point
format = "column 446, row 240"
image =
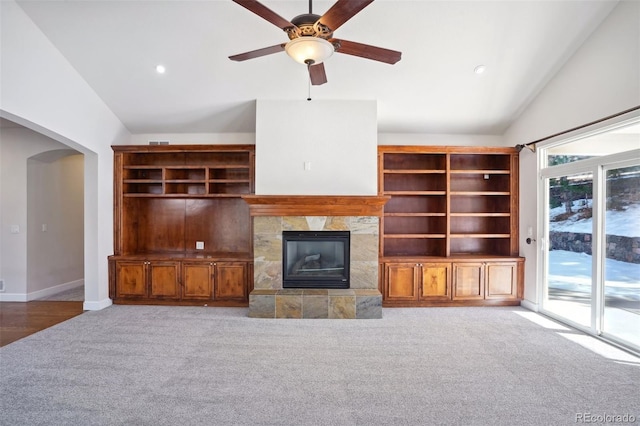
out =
column 259, row 52
column 265, row 13
column 342, row 11
column 366, row 51
column 317, row 74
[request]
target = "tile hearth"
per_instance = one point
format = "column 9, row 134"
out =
column 316, row 303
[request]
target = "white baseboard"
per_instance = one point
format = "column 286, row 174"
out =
column 13, row 297
column 529, row 305
column 50, row 291
column 96, row 306
column 46, row 292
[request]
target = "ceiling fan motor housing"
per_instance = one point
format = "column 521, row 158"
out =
column 308, row 25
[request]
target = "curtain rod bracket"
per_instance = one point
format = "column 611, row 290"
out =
column 530, row 147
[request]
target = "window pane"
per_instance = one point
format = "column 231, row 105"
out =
column 622, row 262
column 569, row 252
column 611, row 142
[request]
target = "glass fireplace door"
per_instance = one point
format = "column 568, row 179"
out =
column 315, row 259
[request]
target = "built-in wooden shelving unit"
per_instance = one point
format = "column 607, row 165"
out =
column 182, row 233
column 450, row 207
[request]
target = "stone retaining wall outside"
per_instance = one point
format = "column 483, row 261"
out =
column 625, row 249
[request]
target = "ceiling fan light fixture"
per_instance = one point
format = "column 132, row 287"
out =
column 309, row 50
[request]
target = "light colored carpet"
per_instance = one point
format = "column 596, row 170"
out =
column 155, row 365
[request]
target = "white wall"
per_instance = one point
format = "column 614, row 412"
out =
column 55, row 224
column 195, row 138
column 17, row 145
column 43, row 92
column 435, row 139
column 601, row 79
column 383, row 139
column 337, row 138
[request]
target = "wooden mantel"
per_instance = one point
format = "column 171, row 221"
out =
column 315, row 205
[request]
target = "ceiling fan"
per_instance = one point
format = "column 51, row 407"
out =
column 311, row 37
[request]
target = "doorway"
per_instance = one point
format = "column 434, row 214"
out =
column 590, row 189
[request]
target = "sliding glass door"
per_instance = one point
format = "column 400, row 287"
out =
column 621, row 317
column 569, row 254
column 591, row 233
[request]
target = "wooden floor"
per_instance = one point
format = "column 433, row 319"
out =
column 20, row 319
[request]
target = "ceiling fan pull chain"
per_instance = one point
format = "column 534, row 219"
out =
column 309, row 85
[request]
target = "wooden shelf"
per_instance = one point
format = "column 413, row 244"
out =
column 480, row 172
column 414, row 172
column 179, row 171
column 453, row 235
column 414, row 214
column 167, row 198
column 479, row 193
column 463, row 199
column 415, row 193
column 485, row 214
column 415, row 236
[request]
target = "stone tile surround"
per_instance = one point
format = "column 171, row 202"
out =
column 270, row 300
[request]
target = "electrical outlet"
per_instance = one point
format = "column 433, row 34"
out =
column 1, row 285
column 199, row 245
column 15, row 229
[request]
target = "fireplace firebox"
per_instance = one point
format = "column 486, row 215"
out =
column 315, row 259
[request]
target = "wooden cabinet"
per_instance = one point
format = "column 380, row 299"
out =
column 180, row 209
column 131, row 277
column 145, row 279
column 155, row 280
column 461, row 282
column 455, row 206
column 231, row 280
column 501, row 280
column 487, row 280
column 209, row 280
column 468, row 281
column 401, row 281
column 197, row 279
column 436, row 281
column 417, row 281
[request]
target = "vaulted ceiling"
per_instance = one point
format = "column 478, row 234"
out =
column 116, row 45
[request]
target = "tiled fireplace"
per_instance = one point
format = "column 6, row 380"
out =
column 274, row 214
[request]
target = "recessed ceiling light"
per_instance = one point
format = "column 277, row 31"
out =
column 479, row 69
column 160, row 69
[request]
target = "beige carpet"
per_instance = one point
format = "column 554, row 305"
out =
column 159, row 365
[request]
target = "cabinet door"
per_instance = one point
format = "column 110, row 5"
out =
column 436, row 281
column 401, row 281
column 131, row 278
column 230, row 280
column 164, row 280
column 502, row 280
column 197, row 278
column 468, row 281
